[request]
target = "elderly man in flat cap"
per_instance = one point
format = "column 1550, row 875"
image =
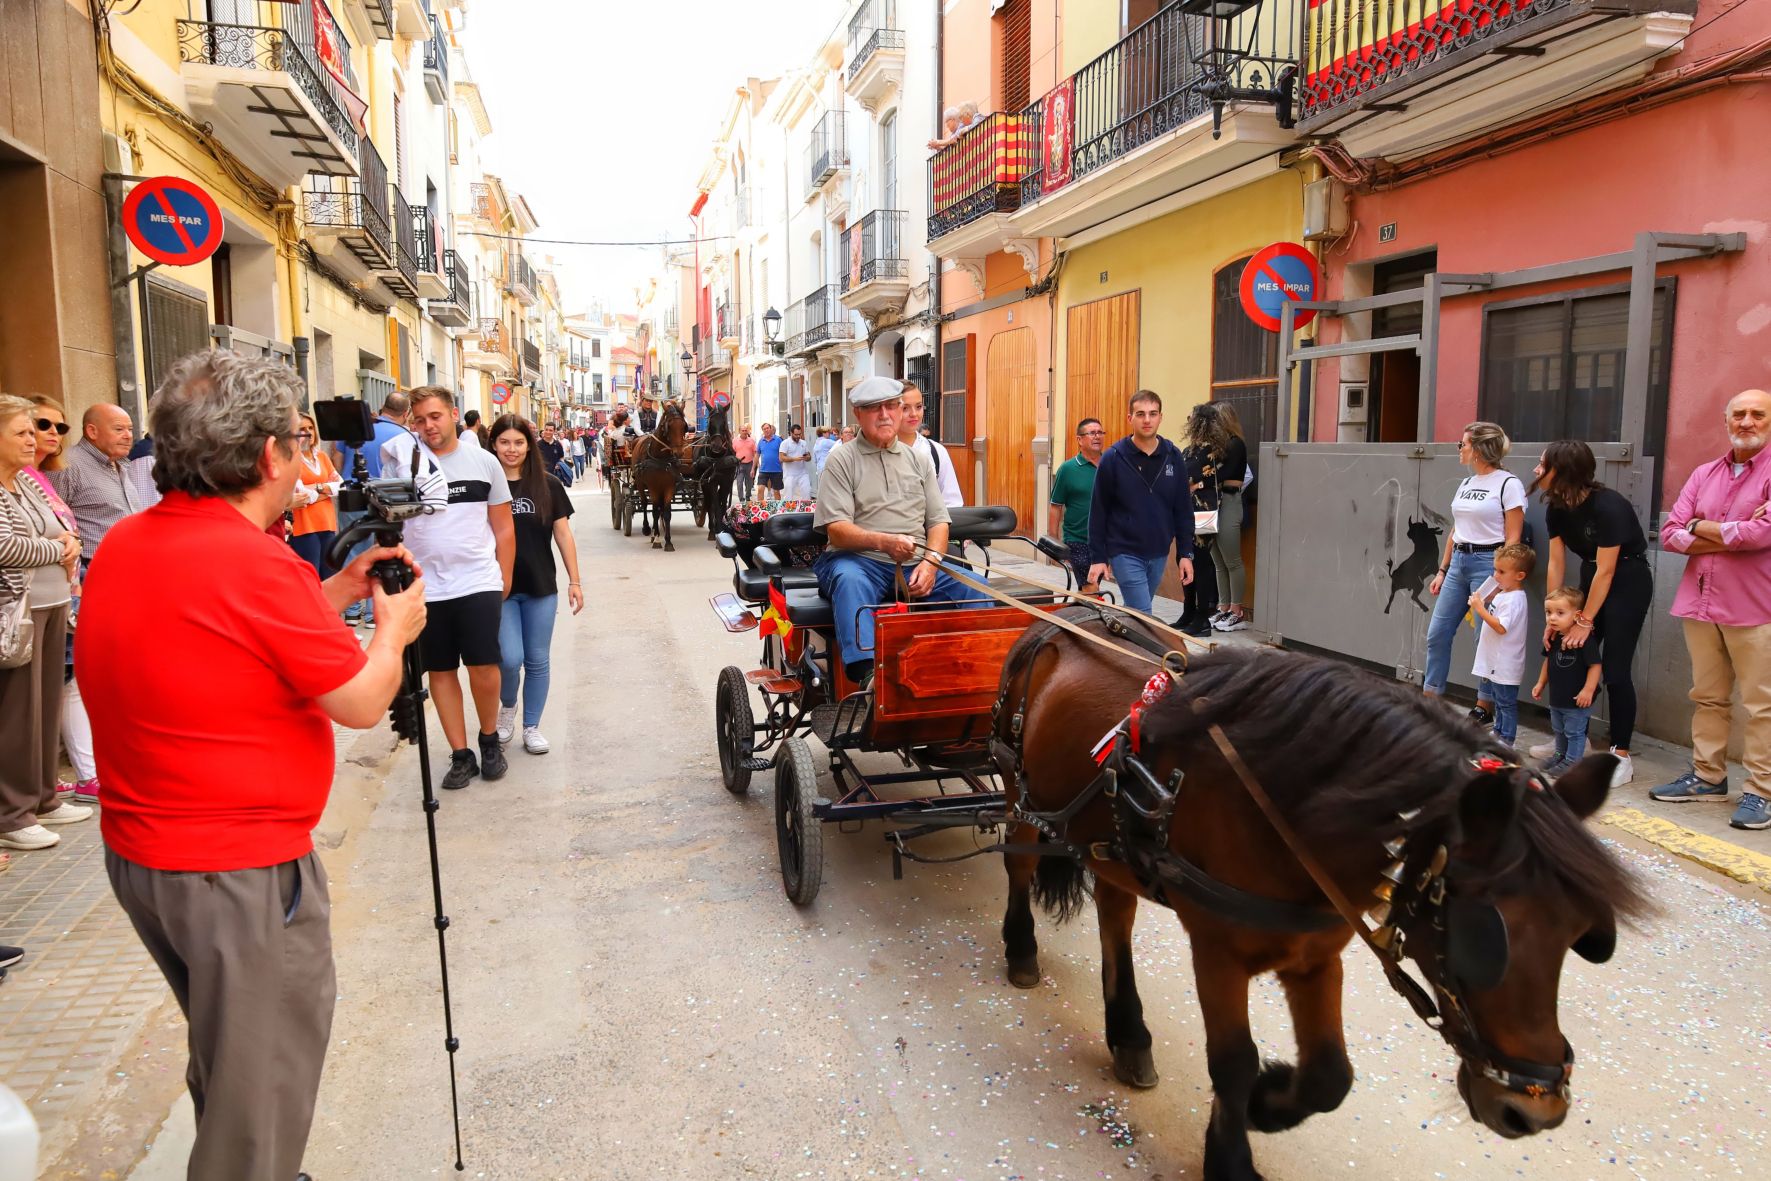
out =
column 877, row 501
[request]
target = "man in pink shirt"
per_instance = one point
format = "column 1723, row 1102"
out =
column 1720, row 524
column 745, row 446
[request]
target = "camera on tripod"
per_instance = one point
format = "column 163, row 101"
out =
column 384, row 503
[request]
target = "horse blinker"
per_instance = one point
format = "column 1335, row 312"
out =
column 1596, row 946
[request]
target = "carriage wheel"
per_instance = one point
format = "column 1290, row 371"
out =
column 798, row 833
column 734, row 729
column 614, row 505
column 627, row 515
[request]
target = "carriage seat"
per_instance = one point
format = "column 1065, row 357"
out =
column 753, row 585
column 807, row 608
column 981, row 523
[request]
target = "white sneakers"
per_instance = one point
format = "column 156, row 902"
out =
column 1626, row 770
column 507, row 723
column 1543, row 750
column 31, row 836
column 533, row 742
column 65, row 814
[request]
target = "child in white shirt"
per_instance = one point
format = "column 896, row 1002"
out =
column 1500, row 612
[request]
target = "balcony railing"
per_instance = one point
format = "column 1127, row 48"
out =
column 816, row 320
column 520, row 277
column 289, row 50
column 455, row 271
column 424, row 241
column 1359, row 50
column 531, row 354
column 828, row 151
column 1147, row 84
column 873, row 28
column 670, row 321
column 710, row 356
column 485, row 205
column 405, row 243
column 436, row 62
column 980, row 172
column 342, row 203
column 725, row 327
column 881, row 253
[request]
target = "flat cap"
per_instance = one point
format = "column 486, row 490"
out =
column 872, row 391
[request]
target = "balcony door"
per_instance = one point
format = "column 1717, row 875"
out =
column 1010, row 415
column 233, row 12
column 1101, row 366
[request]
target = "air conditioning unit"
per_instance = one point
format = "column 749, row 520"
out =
column 1325, row 210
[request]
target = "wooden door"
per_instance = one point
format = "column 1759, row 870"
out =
column 1101, row 369
column 1009, row 418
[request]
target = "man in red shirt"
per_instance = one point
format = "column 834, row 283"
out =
column 214, row 742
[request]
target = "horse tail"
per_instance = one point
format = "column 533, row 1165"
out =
column 1060, row 886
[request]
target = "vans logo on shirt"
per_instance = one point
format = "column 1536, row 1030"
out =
column 1473, row 494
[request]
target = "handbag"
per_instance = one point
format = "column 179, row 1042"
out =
column 1205, row 522
column 16, row 632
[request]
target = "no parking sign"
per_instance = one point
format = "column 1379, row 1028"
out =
column 1283, row 271
column 500, row 394
column 719, row 399
column 172, row 221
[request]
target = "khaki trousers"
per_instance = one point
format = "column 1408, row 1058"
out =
column 30, row 723
column 248, row 954
column 1723, row 659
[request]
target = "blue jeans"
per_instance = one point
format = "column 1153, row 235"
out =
column 1506, row 708
column 1138, row 578
column 853, row 583
column 1570, row 726
column 1466, row 574
column 311, row 548
column 525, row 633
column 362, row 608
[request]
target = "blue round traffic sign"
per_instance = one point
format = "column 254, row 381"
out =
column 172, row 221
column 500, row 394
column 1281, row 272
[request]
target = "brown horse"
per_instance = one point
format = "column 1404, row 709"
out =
column 660, row 457
column 1491, row 875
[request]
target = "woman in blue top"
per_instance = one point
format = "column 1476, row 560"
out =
column 1487, row 512
column 1142, row 505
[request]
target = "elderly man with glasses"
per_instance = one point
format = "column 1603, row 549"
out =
column 1073, row 490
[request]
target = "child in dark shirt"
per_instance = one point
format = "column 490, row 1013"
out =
column 1572, row 677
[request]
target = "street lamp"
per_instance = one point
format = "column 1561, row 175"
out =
column 772, row 324
column 1228, row 74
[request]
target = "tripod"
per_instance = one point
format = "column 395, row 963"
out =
column 407, row 713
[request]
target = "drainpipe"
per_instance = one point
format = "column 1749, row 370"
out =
column 1300, row 427
column 935, row 259
column 129, row 392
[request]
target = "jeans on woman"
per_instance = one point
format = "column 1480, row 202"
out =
column 525, row 633
column 1138, row 578
column 1618, row 626
column 1506, row 708
column 1226, row 547
column 1466, row 574
column 311, row 548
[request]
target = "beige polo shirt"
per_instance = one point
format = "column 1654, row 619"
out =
column 880, row 489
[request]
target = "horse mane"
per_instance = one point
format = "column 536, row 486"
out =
column 1343, row 752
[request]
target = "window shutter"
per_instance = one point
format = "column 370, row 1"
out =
column 175, row 323
column 1017, row 53
column 957, row 383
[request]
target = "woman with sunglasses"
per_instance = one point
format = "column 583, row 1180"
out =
column 76, row 732
column 313, row 511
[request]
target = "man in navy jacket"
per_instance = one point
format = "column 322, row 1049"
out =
column 1142, row 504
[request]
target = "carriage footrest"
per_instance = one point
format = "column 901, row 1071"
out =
column 771, row 681
column 754, row 764
column 733, row 614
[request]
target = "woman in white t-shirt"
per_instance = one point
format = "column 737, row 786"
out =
column 1487, row 512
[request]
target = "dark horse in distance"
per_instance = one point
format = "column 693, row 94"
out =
column 714, row 466
column 1471, row 866
column 660, row 458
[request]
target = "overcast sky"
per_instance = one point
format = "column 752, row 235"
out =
column 603, row 112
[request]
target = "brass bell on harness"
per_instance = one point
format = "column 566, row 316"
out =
column 1394, row 872
column 1382, row 891
column 1395, row 845
column 1379, row 914
column 1383, row 937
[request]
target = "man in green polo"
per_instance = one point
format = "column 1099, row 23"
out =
column 1072, row 489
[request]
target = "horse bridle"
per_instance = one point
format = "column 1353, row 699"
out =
column 1468, row 955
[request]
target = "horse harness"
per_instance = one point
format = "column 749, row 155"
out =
column 1469, row 950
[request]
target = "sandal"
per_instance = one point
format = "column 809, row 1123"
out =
column 5, row 862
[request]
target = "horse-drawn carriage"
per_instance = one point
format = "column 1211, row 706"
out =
column 928, row 702
column 654, row 475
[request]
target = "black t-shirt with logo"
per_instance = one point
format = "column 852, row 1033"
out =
column 1568, row 670
column 1602, row 520
column 535, row 516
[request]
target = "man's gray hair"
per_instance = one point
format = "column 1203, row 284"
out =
column 211, row 417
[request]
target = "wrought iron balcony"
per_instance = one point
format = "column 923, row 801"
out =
column 827, row 153
column 455, row 309
column 347, row 218
column 873, row 27
column 401, row 276
column 980, row 173
column 816, row 321
column 485, row 203
column 261, row 86
column 1461, row 67
column 670, row 321
column 436, row 64
column 879, row 256
column 490, row 349
column 381, row 18
column 711, row 357
column 519, row 279
column 725, row 324
column 427, row 241
column 531, row 360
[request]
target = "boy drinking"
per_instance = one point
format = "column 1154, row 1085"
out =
column 1500, row 608
column 1572, row 675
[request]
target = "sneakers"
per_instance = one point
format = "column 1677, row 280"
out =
column 1543, row 750
column 63, row 790
column 1626, row 770
column 493, row 764
column 507, row 723
column 1689, row 787
column 533, row 742
column 1752, row 812
column 1231, row 621
column 1556, row 768
column 462, row 768
column 86, row 791
column 369, row 621
column 1485, row 718
column 10, row 956
column 31, row 836
column 64, row 814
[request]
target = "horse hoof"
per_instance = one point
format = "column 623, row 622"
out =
column 1024, row 974
column 1134, row 1067
column 669, row 548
